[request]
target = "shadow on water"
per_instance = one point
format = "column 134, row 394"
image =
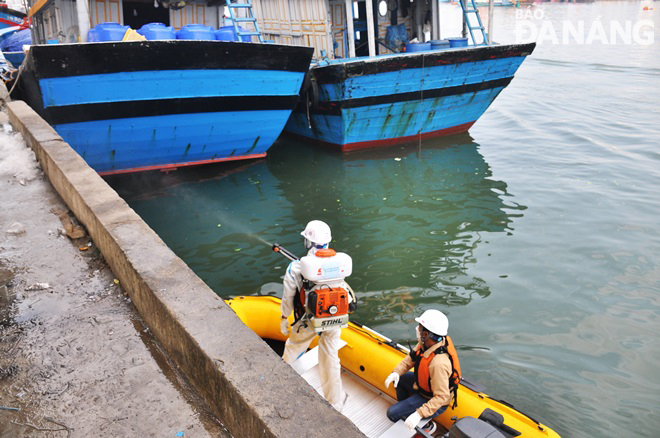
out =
column 410, row 216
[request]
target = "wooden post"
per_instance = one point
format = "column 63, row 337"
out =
column 371, row 34
column 349, row 28
column 490, row 22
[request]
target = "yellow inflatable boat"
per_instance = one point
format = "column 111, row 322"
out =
column 367, row 359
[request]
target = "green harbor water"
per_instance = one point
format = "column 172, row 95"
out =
column 537, row 233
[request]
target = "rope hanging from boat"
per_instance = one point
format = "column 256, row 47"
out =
column 7, row 73
column 18, row 76
column 421, row 99
column 7, row 70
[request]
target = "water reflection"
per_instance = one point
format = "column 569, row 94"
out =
column 409, row 216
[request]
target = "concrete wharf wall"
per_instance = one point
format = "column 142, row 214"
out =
column 246, row 384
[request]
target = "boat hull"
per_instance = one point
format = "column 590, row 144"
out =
column 16, row 58
column 372, row 357
column 134, row 106
column 10, row 17
column 381, row 101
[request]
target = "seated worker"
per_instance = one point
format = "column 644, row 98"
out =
column 427, row 392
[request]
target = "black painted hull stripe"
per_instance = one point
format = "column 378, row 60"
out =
column 15, row 13
column 149, row 108
column 338, row 73
column 334, row 108
column 63, row 60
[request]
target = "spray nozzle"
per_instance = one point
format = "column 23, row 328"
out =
column 285, row 252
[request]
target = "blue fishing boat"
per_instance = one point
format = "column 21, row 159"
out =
column 128, row 106
column 15, row 58
column 384, row 73
column 10, row 17
column 12, row 40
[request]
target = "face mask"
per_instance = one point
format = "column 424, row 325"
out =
column 418, row 332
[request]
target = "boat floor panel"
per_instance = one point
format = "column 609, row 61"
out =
column 365, row 406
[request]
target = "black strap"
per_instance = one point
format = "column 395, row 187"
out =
column 453, row 386
column 298, row 308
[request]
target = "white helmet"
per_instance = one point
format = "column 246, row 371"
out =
column 316, row 232
column 434, row 321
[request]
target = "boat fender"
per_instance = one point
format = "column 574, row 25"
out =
column 309, row 90
column 307, row 82
column 470, row 427
column 312, row 93
column 496, row 419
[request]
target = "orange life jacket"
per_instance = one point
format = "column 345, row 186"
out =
column 423, row 375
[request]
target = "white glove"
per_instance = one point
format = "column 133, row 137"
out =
column 284, row 327
column 413, row 420
column 394, row 377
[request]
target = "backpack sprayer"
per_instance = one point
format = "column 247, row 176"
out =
column 326, row 299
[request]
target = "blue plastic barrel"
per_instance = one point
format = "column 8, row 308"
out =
column 227, row 33
column 458, row 42
column 107, row 32
column 195, row 32
column 439, row 44
column 417, row 47
column 157, row 31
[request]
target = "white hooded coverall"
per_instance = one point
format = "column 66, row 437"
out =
column 302, row 335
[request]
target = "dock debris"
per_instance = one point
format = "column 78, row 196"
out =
column 16, row 228
column 38, row 286
column 45, row 429
column 71, row 230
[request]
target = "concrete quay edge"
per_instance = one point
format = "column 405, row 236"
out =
column 245, row 383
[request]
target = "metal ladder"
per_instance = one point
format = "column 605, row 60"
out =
column 249, row 19
column 469, row 7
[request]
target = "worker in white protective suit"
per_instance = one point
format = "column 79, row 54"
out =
column 317, row 238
